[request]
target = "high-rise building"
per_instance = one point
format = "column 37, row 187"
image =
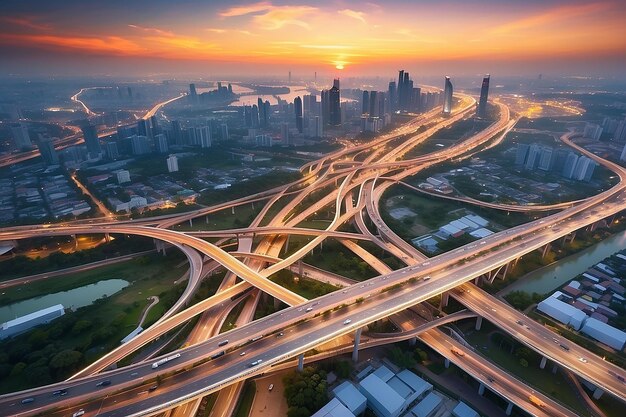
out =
column 192, row 93
column 318, row 130
column 160, row 143
column 584, row 169
column 224, row 132
column 546, row 159
column 21, row 138
column 533, row 157
column 393, row 97
column 254, row 114
column 155, row 126
column 325, row 106
column 177, row 133
column 297, row 107
column 365, row 102
column 262, row 115
column 374, row 108
column 482, row 102
column 140, row 145
column 570, row 165
column 620, row 132
column 334, row 98
column 203, row 136
column 47, row 151
column 267, row 112
column 622, row 157
column 172, row 163
column 522, row 151
column 143, row 129
column 592, row 131
column 91, row 140
column 284, row 133
column 111, row 150
column 447, row 97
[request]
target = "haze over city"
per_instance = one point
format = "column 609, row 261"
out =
column 312, row 208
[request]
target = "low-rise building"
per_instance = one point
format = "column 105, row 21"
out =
column 27, row 322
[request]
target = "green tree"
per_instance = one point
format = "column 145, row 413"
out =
column 65, row 360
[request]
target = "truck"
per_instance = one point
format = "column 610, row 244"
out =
column 165, row 360
column 534, row 400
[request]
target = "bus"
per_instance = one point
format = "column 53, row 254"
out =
column 165, row 360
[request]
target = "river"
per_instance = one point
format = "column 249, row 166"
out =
column 74, row 298
column 550, row 277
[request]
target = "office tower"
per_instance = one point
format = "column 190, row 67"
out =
column 484, row 93
column 325, row 106
column 143, row 128
column 284, row 133
column 447, row 97
column 111, row 151
column 140, row 145
column 172, row 163
column 309, row 105
column 392, row 96
column 546, row 159
column 533, row 157
column 21, row 137
column 203, row 136
column 334, row 99
column 365, row 102
column 122, row 176
column 522, row 151
column 254, row 115
column 177, row 133
column 262, row 116
column 289, row 77
column 192, row 93
column 160, row 143
column 570, row 165
column 91, row 140
column 267, row 111
column 46, row 149
column 400, row 88
column 373, row 104
column 297, row 107
column 130, row 92
column 219, row 86
column 415, row 99
column 558, row 160
column 230, row 88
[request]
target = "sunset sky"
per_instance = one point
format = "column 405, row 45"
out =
column 355, row 37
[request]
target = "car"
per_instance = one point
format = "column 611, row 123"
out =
column 427, row 277
column 153, row 388
column 104, row 383
column 309, row 309
column 28, row 400
column 347, row 321
column 564, row 347
column 620, row 378
column 134, row 374
column 256, row 362
column 281, row 334
column 242, row 353
column 344, row 291
column 583, row 360
column 490, row 378
column 223, row 342
column 270, row 388
column 60, row 392
column 78, row 413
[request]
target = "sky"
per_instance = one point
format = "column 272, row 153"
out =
column 351, row 38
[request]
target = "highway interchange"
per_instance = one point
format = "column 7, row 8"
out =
column 352, row 181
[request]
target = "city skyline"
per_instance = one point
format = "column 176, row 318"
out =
column 243, row 38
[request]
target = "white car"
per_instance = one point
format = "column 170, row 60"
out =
column 347, row 321
column 78, row 413
column 242, row 353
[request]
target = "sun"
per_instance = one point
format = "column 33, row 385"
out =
column 339, row 66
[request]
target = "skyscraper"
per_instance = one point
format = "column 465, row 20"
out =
column 192, row 93
column 447, row 97
column 143, row 128
column 172, row 163
column 177, row 133
column 482, row 102
column 46, row 149
column 21, row 136
column 570, row 165
column 284, row 133
column 91, row 140
column 522, row 151
column 392, row 96
column 334, row 98
column 365, row 103
column 297, row 107
column 160, row 143
column 325, row 106
column 534, row 154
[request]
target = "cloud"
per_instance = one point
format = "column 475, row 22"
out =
column 353, row 14
column 114, row 45
column 155, row 31
column 551, row 16
column 26, row 22
column 215, row 30
column 248, row 9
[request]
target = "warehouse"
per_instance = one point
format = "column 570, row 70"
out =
column 27, row 322
column 563, row 312
column 604, row 333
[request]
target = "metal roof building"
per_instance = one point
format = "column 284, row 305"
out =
column 333, row 409
column 563, row 312
column 24, row 323
column 463, row 410
column 384, row 400
column 604, row 333
column 428, row 406
column 349, row 396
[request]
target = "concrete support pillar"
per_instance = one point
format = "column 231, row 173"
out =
column 190, row 222
column 355, row 350
column 445, row 297
column 276, row 303
column 253, row 206
column 413, row 341
column 107, row 237
column 543, row 362
column 300, row 268
column 481, row 389
column 446, row 363
column 506, row 271
column 509, row 409
column 573, row 236
column 232, row 209
column 206, row 219
column 594, row 226
column 478, row 280
column 300, row 362
column 546, row 249
column 597, row 394
column 287, row 244
column 479, row 323
column 555, row 368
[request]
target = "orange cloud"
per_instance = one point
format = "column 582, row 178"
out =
column 551, row 16
column 244, row 10
column 353, row 14
column 26, row 22
column 114, row 45
column 156, row 31
column 280, row 16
